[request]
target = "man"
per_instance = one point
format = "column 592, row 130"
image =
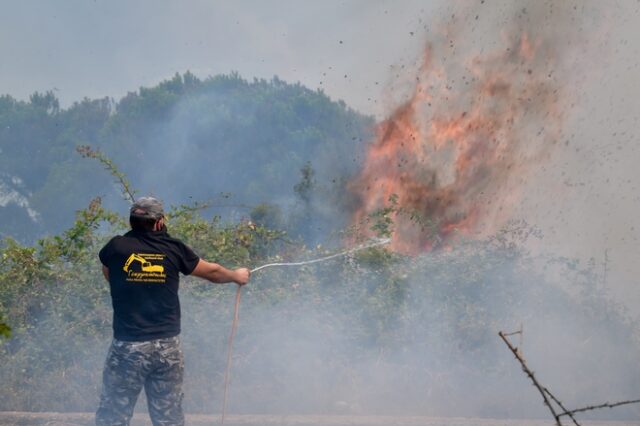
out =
column 143, row 268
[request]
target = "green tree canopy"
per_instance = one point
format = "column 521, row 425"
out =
column 183, row 139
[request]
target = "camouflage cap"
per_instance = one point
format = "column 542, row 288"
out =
column 147, row 207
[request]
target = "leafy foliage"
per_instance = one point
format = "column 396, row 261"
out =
column 58, row 305
column 86, row 152
column 383, row 332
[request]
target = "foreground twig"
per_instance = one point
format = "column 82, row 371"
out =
column 595, row 407
column 566, row 413
column 529, row 373
column 546, row 394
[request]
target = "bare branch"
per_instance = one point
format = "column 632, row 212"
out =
column 595, row 407
column 545, row 392
column 531, row 376
column 557, row 401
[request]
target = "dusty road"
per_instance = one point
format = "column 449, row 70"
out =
column 86, row 419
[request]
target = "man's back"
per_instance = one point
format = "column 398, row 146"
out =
column 144, row 269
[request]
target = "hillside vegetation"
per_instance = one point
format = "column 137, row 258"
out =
column 184, row 139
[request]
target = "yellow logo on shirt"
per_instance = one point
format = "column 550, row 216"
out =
column 148, row 271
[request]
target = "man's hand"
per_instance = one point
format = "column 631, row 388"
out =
column 242, row 276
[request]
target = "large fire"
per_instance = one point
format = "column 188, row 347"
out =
column 452, row 159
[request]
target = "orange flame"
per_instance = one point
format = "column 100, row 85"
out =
column 452, row 159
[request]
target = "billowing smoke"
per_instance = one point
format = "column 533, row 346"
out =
column 378, row 335
column 487, row 107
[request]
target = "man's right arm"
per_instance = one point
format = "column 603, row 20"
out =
column 219, row 274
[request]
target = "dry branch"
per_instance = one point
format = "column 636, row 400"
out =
column 595, row 407
column 546, row 393
column 566, row 413
column 531, row 376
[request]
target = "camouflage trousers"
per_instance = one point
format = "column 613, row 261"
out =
column 156, row 365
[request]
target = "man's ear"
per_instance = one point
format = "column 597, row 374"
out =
column 159, row 224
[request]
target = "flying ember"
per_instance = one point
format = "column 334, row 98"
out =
column 452, row 159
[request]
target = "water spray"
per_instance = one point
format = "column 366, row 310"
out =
column 234, row 324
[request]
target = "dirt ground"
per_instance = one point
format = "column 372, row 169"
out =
column 86, row 419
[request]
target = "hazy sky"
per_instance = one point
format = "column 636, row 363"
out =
column 585, row 199
column 105, row 48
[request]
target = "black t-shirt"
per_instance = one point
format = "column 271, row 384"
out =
column 144, row 281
